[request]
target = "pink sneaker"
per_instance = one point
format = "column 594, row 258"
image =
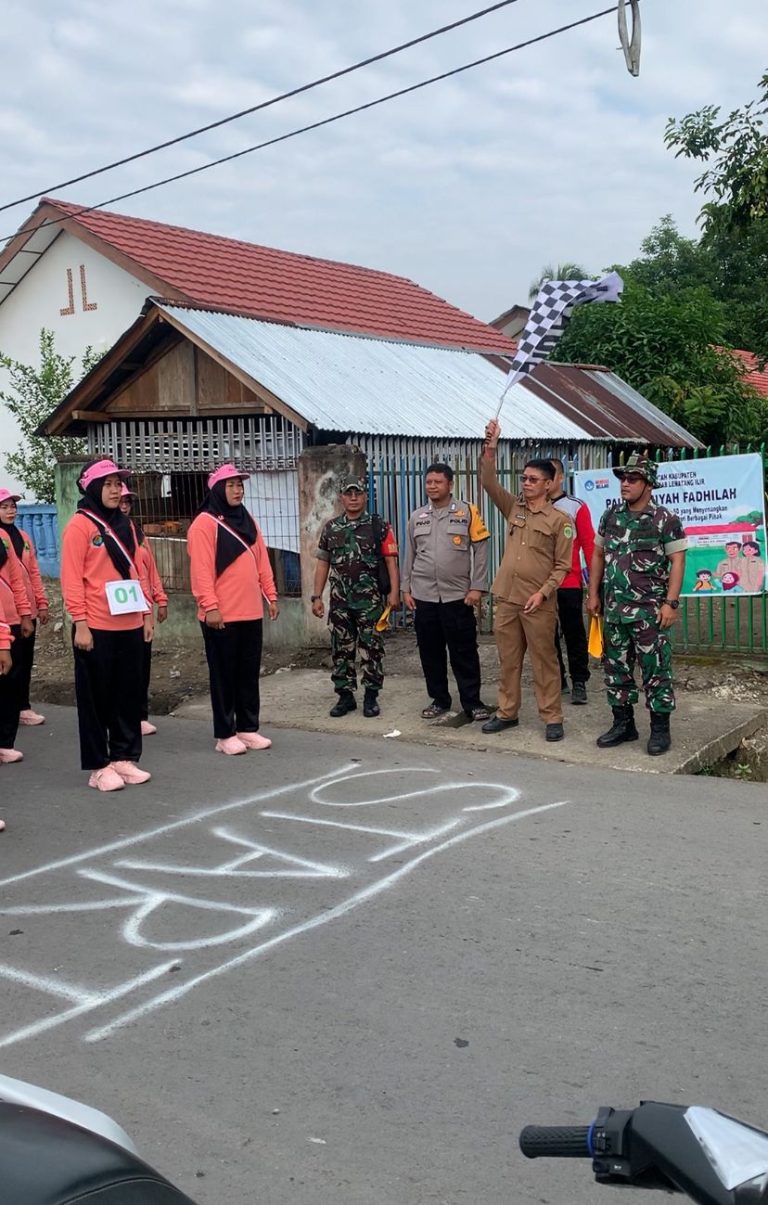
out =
column 254, row 740
column 2, row 826
column 106, row 779
column 130, row 772
column 10, row 755
column 231, row 745
column 148, row 729
column 30, row 718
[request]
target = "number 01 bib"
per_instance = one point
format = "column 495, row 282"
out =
column 125, row 597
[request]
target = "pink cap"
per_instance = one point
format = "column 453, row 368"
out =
column 226, row 473
column 126, row 493
column 102, row 468
column 7, row 496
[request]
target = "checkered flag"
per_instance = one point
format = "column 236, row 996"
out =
column 554, row 304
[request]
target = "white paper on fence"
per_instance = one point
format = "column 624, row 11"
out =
column 550, row 312
column 272, row 497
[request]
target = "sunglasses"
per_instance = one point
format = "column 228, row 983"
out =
column 632, row 478
column 528, row 480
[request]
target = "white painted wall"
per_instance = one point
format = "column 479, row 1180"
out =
column 116, row 298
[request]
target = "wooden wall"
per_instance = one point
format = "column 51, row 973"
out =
column 184, row 380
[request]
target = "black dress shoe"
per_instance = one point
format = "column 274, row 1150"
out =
column 347, row 702
column 579, row 693
column 554, row 732
column 497, row 724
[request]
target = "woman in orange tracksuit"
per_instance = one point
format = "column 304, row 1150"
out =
column 104, row 589
column 6, row 640
column 157, row 595
column 25, row 551
column 230, row 573
column 15, row 613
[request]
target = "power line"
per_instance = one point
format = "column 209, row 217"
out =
column 266, row 104
column 316, row 125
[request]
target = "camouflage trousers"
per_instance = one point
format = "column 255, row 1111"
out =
column 352, row 631
column 639, row 641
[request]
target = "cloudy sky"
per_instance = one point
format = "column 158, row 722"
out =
column 554, row 152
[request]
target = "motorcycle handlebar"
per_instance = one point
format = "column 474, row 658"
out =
column 556, row 1142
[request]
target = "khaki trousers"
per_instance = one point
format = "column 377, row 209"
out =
column 515, row 632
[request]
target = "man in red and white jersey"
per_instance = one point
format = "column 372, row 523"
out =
column 570, row 593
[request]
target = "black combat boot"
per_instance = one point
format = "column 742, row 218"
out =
column 659, row 741
column 347, row 702
column 371, row 703
column 623, row 728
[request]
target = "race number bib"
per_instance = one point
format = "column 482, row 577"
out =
column 125, row 597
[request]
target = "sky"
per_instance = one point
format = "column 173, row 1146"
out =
column 469, row 187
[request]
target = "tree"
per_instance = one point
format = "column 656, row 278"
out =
column 669, row 348
column 734, row 267
column 34, row 394
column 735, row 151
column 556, row 272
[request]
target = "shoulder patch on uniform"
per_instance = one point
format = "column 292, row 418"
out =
column 568, row 530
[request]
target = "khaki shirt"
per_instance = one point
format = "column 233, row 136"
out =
column 539, row 544
column 446, row 552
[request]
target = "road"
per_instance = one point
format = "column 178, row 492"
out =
column 348, row 971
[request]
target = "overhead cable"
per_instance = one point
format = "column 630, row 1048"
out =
column 316, row 125
column 265, row 104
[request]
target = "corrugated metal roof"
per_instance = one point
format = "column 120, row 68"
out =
column 607, row 406
column 347, row 383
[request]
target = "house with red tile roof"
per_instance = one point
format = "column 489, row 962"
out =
column 757, row 377
column 86, row 274
column 220, row 350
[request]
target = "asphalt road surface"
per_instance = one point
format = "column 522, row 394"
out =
column 348, row 971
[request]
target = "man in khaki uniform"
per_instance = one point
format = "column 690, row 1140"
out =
column 536, row 558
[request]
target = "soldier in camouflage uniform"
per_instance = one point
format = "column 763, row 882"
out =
column 639, row 559
column 352, row 548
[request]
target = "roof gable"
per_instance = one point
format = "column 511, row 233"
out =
column 370, row 386
column 262, row 282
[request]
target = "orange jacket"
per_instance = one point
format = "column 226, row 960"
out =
column 237, row 594
column 85, row 569
column 13, row 591
column 157, row 592
column 31, row 574
column 6, row 639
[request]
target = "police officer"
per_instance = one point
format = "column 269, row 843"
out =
column 444, row 576
column 350, row 549
column 536, row 558
column 639, row 557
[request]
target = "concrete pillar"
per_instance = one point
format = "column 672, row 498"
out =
column 320, row 473
column 68, row 495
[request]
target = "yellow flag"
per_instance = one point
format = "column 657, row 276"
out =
column 595, row 643
column 383, row 620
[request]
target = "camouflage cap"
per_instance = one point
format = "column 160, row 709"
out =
column 352, row 483
column 639, row 464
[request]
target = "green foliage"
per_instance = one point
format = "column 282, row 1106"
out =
column 668, row 347
column 735, row 150
column 565, row 271
column 34, row 394
column 734, row 267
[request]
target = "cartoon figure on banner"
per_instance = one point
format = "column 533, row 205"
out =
column 704, row 580
column 730, row 582
column 727, row 566
column 751, row 567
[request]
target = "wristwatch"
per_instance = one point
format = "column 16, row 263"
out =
column 674, row 603
column 314, row 597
